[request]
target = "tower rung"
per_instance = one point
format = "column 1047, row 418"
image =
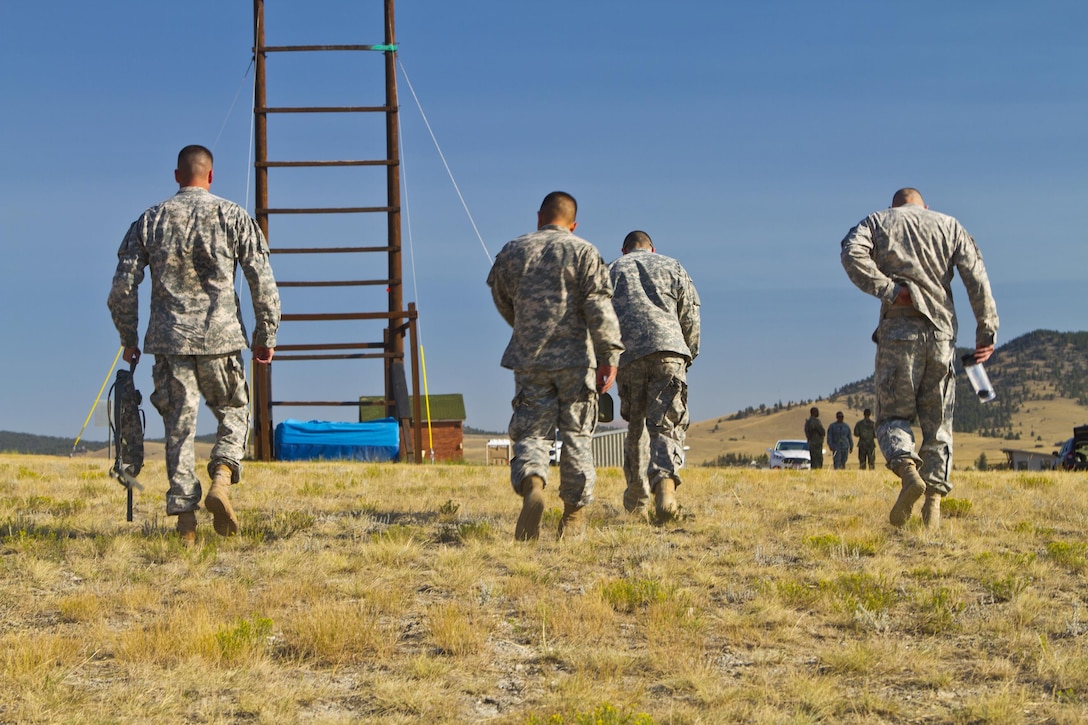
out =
column 330, row 210
column 311, row 48
column 323, row 109
column 332, row 346
column 343, row 356
column 320, row 164
column 327, row 250
column 340, row 316
column 316, row 403
column 339, row 283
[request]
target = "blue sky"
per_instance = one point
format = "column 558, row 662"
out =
column 746, row 138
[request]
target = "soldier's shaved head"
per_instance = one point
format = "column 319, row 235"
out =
column 194, row 166
column 637, row 240
column 907, row 195
column 558, row 207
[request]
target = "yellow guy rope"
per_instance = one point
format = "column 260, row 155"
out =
column 426, row 401
column 98, row 397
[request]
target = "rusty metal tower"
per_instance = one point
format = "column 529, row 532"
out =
column 336, row 264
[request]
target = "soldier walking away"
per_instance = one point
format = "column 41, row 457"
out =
column 814, row 434
column 194, row 242
column 658, row 310
column 553, row 289
column 905, row 256
column 865, row 432
column 840, row 441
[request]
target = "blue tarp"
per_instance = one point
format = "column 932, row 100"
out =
column 377, row 440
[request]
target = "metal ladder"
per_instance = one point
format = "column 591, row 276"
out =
column 334, row 262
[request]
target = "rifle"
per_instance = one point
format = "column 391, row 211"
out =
column 127, row 432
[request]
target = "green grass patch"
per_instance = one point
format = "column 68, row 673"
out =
column 860, row 590
column 1035, row 482
column 482, row 530
column 245, row 638
column 833, row 545
column 955, row 508
column 938, row 611
column 627, row 595
column 1006, row 588
column 1071, row 555
column 605, row 714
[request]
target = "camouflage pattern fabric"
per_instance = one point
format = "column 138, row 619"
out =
column 193, row 243
column 657, row 306
column 915, row 380
column 654, row 402
column 129, row 424
column 814, row 434
column 546, row 400
column 553, row 289
column 841, row 443
column 180, row 380
column 920, row 249
column 865, row 432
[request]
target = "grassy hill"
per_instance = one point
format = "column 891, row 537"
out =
column 1042, row 384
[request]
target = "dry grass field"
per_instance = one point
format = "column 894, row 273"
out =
column 395, row 594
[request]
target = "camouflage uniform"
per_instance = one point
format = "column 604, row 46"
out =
column 814, row 434
column 865, row 432
column 841, row 443
column 193, row 243
column 553, row 289
column 911, row 246
column 658, row 309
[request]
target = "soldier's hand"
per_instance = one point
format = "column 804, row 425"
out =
column 131, row 355
column 263, row 355
column 982, row 354
column 606, row 375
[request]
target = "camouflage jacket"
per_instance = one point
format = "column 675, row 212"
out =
column 553, row 289
column 814, row 430
column 913, row 246
column 865, row 430
column 194, row 242
column 657, row 305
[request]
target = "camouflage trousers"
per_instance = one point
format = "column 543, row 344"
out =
column 915, row 381
column 816, row 452
column 654, row 402
column 180, row 380
column 867, row 455
column 543, row 401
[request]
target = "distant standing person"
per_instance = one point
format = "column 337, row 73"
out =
column 906, row 256
column 840, row 441
column 865, row 432
column 194, row 242
column 658, row 310
column 553, row 289
column 814, row 434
